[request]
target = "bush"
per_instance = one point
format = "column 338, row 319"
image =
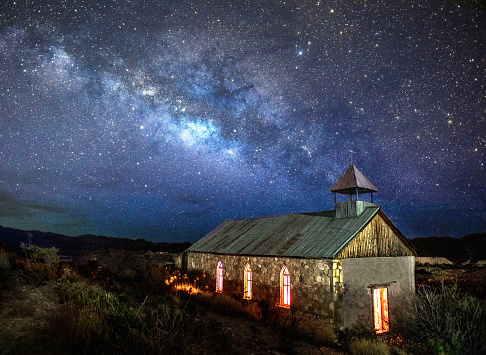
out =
column 100, row 314
column 223, row 304
column 46, row 255
column 288, row 331
column 443, row 320
column 39, row 265
column 95, row 320
column 360, row 330
column 5, row 265
column 369, row 347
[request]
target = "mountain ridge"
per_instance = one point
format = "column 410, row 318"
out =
column 470, row 246
column 76, row 246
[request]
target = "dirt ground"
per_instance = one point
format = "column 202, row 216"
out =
column 249, row 337
column 24, row 320
column 26, row 314
column 470, row 280
column 25, row 328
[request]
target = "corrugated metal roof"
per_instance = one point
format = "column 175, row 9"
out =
column 311, row 235
column 352, row 179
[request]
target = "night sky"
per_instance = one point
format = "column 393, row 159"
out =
column 160, row 119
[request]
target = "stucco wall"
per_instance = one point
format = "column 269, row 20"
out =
column 315, row 283
column 359, row 276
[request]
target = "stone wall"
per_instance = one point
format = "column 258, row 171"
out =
column 315, row 284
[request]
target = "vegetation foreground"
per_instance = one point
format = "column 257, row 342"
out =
column 52, row 307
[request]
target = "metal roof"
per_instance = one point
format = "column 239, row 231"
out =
column 352, row 179
column 306, row 235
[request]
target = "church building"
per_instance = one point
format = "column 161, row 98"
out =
column 333, row 268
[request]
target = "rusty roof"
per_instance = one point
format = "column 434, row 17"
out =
column 307, row 235
column 351, row 180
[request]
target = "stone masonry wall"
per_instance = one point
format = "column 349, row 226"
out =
column 315, row 283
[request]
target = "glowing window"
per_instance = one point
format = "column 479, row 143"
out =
column 247, row 286
column 285, row 295
column 219, row 277
column 380, row 309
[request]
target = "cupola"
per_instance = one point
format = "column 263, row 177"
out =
column 352, row 182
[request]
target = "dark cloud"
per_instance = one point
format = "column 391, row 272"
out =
column 12, row 207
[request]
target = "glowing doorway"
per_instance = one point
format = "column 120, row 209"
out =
column 380, row 309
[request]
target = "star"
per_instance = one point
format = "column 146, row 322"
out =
column 156, row 121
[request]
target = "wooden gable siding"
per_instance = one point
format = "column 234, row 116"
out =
column 378, row 238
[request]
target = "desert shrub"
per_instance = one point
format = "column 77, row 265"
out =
column 172, row 325
column 443, row 320
column 5, row 265
column 68, row 272
column 369, row 347
column 36, row 273
column 46, row 255
column 98, row 321
column 267, row 311
column 226, row 305
column 64, row 321
column 40, row 264
column 199, row 279
column 155, row 277
column 362, row 339
column 168, row 329
column 349, row 336
column 100, row 314
column 288, row 331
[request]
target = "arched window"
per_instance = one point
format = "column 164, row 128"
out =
column 219, row 277
column 285, row 295
column 380, row 309
column 247, row 285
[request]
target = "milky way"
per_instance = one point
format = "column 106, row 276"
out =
column 160, row 119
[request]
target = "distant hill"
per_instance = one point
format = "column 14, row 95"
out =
column 75, row 246
column 457, row 250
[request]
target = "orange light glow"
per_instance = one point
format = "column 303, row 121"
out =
column 285, row 295
column 248, row 281
column 170, row 280
column 219, row 277
column 380, row 309
column 186, row 287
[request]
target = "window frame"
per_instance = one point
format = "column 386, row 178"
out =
column 219, row 277
column 380, row 309
column 285, row 288
column 248, row 283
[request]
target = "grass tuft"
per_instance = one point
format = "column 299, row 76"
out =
column 5, row 266
column 443, row 320
column 363, row 346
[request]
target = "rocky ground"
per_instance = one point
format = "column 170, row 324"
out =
column 249, row 337
column 27, row 314
column 470, row 279
column 28, row 318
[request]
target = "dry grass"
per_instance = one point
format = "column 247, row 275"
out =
column 5, row 265
column 443, row 320
column 369, row 347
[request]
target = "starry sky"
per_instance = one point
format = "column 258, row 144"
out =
column 160, row 119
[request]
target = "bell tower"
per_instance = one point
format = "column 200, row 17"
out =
column 352, row 183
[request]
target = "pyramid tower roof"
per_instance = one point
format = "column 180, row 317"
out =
column 351, row 180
